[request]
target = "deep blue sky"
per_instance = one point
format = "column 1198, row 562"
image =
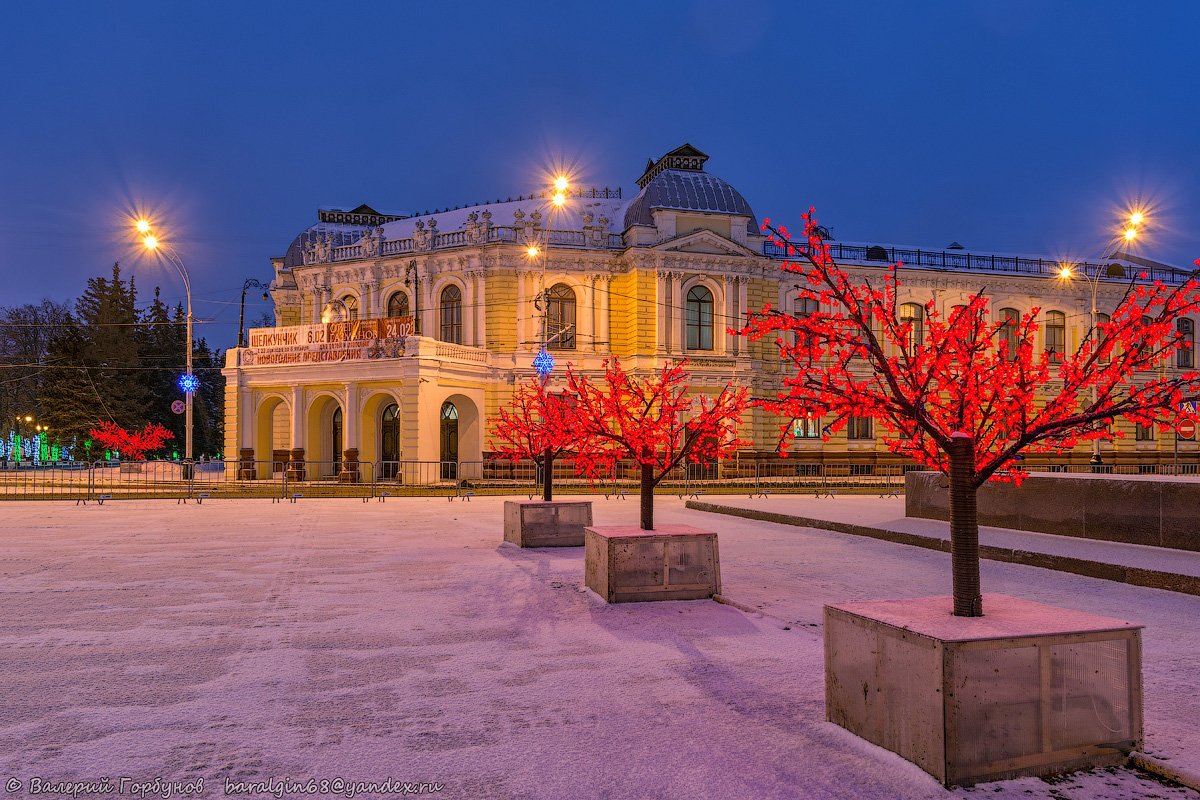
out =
column 1008, row 126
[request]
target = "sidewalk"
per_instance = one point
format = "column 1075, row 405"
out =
column 883, row 518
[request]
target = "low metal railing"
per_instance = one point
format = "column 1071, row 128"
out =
column 290, row 481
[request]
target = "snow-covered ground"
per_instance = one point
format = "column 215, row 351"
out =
column 246, row 641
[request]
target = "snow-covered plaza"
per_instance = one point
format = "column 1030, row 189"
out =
column 242, row 642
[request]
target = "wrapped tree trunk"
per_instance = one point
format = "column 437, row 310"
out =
column 647, row 497
column 964, row 526
column 548, row 474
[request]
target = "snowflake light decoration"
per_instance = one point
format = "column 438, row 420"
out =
column 543, row 362
column 189, row 383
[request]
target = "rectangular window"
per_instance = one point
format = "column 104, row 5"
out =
column 860, row 428
column 1144, row 433
column 806, row 428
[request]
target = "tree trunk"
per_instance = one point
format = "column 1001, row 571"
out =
column 647, row 497
column 964, row 527
column 548, row 475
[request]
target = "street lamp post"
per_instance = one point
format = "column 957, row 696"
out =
column 1129, row 233
column 242, row 311
column 188, row 382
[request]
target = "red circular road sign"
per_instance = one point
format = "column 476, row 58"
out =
column 1186, row 429
column 178, row 406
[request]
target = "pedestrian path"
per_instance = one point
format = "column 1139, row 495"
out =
column 883, row 518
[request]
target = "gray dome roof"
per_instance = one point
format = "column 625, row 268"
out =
column 687, row 190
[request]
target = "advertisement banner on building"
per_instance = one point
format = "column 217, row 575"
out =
column 354, row 340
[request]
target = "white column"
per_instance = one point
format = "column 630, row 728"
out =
column 468, row 317
column 585, row 322
column 734, row 311
column 663, row 336
column 605, row 336
column 481, row 310
column 520, row 310
column 297, row 417
column 316, row 305
column 365, row 304
column 428, row 316
column 350, row 418
column 246, row 416
column 727, row 313
column 742, row 305
column 677, row 337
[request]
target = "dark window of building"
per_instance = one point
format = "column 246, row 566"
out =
column 560, row 317
column 351, row 307
column 860, row 428
column 1143, row 433
column 914, row 314
column 452, row 323
column 1187, row 343
column 398, row 305
column 1056, row 335
column 1009, row 318
column 699, row 319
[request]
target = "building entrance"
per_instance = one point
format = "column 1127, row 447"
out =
column 449, row 441
column 389, row 441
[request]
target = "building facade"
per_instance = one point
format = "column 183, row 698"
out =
column 399, row 337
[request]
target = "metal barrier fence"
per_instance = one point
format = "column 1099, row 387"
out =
column 290, row 481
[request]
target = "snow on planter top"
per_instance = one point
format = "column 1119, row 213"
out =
column 1006, row 617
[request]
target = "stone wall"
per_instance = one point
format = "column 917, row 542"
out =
column 1152, row 510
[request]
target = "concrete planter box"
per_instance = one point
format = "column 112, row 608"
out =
column 537, row 523
column 1027, row 689
column 671, row 562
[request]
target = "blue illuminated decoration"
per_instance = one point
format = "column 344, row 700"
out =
column 543, row 362
column 189, row 383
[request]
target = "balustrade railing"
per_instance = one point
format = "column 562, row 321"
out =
column 958, row 260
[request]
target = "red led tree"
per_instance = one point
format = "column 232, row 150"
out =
column 135, row 445
column 539, row 425
column 970, row 395
column 653, row 422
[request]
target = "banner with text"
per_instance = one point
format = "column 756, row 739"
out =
column 355, row 340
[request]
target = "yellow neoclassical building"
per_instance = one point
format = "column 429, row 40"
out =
column 399, row 337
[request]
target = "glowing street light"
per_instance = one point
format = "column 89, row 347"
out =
column 1128, row 234
column 188, row 381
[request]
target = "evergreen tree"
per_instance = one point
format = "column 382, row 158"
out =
column 163, row 360
column 107, row 313
column 68, row 398
column 208, row 406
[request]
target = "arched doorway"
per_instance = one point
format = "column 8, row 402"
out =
column 337, row 440
column 389, row 441
column 449, row 440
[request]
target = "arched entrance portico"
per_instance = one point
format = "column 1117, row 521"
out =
column 272, row 435
column 324, row 436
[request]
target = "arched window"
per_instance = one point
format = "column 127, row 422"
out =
column 452, row 324
column 1009, row 317
column 560, row 317
column 351, row 307
column 913, row 313
column 699, row 319
column 397, row 305
column 1187, row 342
column 803, row 308
column 1056, row 335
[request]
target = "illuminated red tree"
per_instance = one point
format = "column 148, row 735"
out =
column 970, row 395
column 653, row 422
column 539, row 425
column 134, row 445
